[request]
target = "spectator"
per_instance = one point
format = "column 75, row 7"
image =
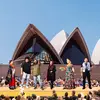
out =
column 54, row 95
column 18, row 97
column 66, row 96
column 29, row 98
column 23, row 98
column 60, row 98
column 73, row 97
column 2, row 97
column 7, row 98
column 79, row 97
column 90, row 95
column 97, row 95
column 59, row 82
column 34, row 96
column 2, row 81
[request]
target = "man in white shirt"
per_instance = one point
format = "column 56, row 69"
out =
column 86, row 68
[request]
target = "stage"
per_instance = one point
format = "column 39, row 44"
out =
column 46, row 92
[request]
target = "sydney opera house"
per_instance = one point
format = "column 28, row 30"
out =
column 35, row 45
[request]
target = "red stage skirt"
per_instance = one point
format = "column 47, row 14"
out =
column 12, row 83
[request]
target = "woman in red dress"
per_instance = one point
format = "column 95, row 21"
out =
column 11, row 75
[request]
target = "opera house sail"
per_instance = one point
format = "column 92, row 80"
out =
column 34, row 44
column 75, row 48
column 95, row 58
column 59, row 40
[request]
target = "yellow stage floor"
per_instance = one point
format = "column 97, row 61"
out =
column 45, row 92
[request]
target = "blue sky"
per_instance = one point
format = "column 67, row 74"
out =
column 49, row 16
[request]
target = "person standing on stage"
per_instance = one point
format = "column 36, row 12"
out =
column 86, row 68
column 69, row 77
column 26, row 71
column 51, row 73
column 35, row 72
column 11, row 75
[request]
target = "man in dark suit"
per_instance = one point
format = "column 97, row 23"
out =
column 86, row 68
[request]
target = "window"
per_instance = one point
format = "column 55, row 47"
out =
column 39, row 52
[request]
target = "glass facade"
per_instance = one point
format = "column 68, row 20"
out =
column 73, row 52
column 40, row 53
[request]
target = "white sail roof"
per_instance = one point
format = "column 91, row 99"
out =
column 96, row 54
column 59, row 40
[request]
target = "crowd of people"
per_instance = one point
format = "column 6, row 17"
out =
column 29, row 68
column 32, row 68
column 58, row 82
column 90, row 96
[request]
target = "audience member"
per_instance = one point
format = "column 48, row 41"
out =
column 66, row 96
column 54, row 95
column 73, row 97
column 79, row 97
column 91, row 96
